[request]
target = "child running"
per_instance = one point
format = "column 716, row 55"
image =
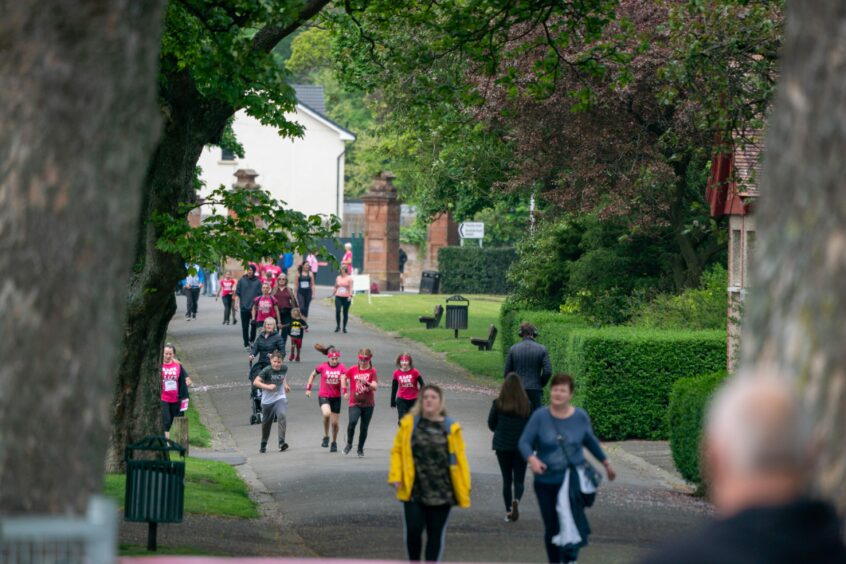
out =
column 298, row 326
column 361, row 393
column 329, row 396
column 407, row 383
column 274, row 399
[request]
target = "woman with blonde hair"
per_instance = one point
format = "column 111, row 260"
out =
column 429, row 472
column 507, row 419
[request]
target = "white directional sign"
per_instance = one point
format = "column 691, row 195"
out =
column 472, row 230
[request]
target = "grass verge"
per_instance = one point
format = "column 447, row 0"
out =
column 198, row 435
column 399, row 313
column 211, row 488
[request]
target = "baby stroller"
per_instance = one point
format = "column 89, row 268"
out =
column 255, row 393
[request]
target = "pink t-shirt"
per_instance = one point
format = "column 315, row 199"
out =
column 359, row 394
column 407, row 384
column 170, row 382
column 226, row 286
column 330, row 379
column 264, row 307
column 347, row 259
column 344, row 287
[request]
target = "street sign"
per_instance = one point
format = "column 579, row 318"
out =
column 472, row 230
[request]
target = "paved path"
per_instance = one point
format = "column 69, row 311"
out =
column 332, row 505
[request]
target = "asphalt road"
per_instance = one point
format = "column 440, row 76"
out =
column 332, row 505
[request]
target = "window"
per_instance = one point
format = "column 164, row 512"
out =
column 227, row 155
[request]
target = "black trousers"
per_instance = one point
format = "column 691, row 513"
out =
column 193, row 297
column 365, row 414
column 547, row 495
column 248, row 330
column 513, row 469
column 535, row 398
column 304, row 299
column 403, row 407
column 432, row 519
column 342, row 304
column 227, row 308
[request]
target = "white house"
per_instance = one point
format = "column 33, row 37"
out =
column 307, row 172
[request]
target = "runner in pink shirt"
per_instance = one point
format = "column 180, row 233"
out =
column 329, row 397
column 265, row 305
column 226, row 291
column 175, row 382
column 406, row 385
column 361, row 393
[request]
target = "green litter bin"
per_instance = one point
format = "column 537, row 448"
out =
column 155, row 488
column 457, row 313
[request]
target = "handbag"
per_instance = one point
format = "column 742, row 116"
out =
column 591, row 473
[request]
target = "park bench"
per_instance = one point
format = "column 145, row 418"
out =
column 432, row 321
column 485, row 344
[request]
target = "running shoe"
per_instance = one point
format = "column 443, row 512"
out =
column 515, row 512
column 283, row 446
column 345, row 329
column 337, row 329
column 334, row 447
column 325, row 442
column 361, row 453
column 263, row 447
column 347, row 449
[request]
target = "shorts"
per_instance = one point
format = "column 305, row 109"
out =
column 169, row 412
column 333, row 403
column 297, row 342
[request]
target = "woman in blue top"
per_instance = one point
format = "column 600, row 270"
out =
column 552, row 444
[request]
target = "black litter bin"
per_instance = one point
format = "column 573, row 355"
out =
column 456, row 313
column 155, row 488
column 430, row 282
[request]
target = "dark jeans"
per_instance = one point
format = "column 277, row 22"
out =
column 535, row 398
column 356, row 412
column 247, row 329
column 192, row 296
column 547, row 495
column 285, row 322
column 342, row 304
column 513, row 469
column 432, row 518
column 403, row 407
column 304, row 299
column 227, row 308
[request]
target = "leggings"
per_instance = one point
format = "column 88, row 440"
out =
column 227, row 308
column 365, row 413
column 547, row 495
column 169, row 412
column 304, row 299
column 279, row 408
column 513, row 469
column 432, row 518
column 342, row 303
column 403, row 407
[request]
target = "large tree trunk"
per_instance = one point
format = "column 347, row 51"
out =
column 796, row 314
column 78, row 122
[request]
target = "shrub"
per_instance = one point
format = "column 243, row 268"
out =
column 552, row 326
column 699, row 308
column 474, row 270
column 689, row 399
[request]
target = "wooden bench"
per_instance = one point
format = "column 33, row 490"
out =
column 485, row 344
column 432, row 321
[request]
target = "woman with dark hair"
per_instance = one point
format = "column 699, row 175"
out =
column 175, row 382
column 404, row 389
column 362, row 391
column 507, row 419
column 553, row 444
column 429, row 471
column 305, row 288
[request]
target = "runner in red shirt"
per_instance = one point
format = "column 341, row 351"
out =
column 361, row 393
column 175, row 382
column 227, row 288
column 406, row 385
column 265, row 305
column 329, row 396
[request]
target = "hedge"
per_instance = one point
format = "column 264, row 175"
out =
column 689, row 398
column 474, row 270
column 623, row 374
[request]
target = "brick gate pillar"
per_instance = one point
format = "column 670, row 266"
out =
column 443, row 232
column 381, row 232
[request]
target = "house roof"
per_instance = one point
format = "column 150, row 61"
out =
column 311, row 100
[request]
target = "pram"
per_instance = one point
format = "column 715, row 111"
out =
column 255, row 393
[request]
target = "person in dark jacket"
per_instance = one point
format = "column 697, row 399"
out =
column 507, row 419
column 758, row 460
column 530, row 360
column 266, row 342
column 246, row 291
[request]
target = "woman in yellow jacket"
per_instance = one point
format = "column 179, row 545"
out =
column 429, row 472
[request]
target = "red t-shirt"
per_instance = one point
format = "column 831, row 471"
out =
column 170, row 382
column 407, row 384
column 226, row 286
column 284, row 298
column 274, row 270
column 359, row 394
column 264, row 307
column 330, row 379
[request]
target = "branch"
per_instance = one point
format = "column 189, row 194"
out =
column 268, row 37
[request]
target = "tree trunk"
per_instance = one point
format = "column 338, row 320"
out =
column 796, row 314
column 78, row 122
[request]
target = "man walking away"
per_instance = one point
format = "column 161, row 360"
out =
column 246, row 291
column 530, row 360
column 758, row 452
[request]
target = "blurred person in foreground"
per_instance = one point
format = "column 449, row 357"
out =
column 758, row 459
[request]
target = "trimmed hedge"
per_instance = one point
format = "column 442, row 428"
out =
column 685, row 418
column 623, row 374
column 474, row 270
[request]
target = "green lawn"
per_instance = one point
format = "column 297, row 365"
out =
column 211, row 488
column 198, row 435
column 399, row 313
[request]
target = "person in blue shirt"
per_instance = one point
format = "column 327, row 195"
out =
column 193, row 284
